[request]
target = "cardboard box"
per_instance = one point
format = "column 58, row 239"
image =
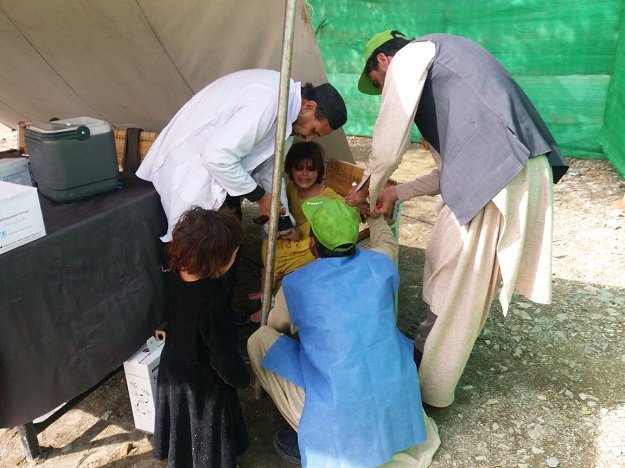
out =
column 20, row 216
column 15, row 170
column 141, row 376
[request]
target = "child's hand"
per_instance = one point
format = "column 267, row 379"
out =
column 290, row 235
column 296, row 235
column 285, row 236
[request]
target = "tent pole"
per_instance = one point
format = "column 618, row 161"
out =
column 278, row 161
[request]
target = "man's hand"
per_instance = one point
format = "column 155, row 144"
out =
column 358, row 198
column 386, row 198
column 265, row 203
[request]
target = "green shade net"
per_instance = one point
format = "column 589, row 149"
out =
column 612, row 135
column 568, row 56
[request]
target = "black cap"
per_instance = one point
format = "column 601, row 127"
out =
column 331, row 104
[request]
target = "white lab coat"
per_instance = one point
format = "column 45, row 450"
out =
column 220, row 142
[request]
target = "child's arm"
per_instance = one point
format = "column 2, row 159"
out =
column 293, row 234
column 217, row 334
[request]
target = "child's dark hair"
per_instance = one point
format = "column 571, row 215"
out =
column 203, row 241
column 305, row 151
column 324, row 252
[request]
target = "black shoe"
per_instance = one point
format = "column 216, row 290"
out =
column 434, row 410
column 240, row 318
column 285, row 443
column 242, row 350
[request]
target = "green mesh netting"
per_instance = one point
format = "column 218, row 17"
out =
column 567, row 55
column 613, row 131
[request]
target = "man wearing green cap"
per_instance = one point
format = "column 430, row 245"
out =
column 335, row 364
column 496, row 162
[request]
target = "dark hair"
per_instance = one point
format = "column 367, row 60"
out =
column 324, row 252
column 389, row 48
column 308, row 93
column 306, row 151
column 203, row 241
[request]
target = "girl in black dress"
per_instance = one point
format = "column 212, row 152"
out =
column 199, row 422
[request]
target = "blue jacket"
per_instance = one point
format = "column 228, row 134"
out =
column 362, row 391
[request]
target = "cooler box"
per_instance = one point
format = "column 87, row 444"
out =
column 72, row 158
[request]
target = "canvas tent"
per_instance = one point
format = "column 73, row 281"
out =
column 135, row 63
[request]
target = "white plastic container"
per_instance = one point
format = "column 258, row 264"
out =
column 141, row 371
column 15, row 171
column 20, row 216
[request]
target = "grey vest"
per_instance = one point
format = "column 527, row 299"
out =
column 481, row 123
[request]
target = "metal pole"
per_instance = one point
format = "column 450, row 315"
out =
column 278, row 162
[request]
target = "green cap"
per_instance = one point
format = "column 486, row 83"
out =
column 334, row 223
column 364, row 83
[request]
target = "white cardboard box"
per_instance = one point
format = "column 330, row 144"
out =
column 141, row 371
column 20, row 216
column 15, row 170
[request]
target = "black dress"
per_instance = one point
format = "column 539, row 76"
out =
column 199, row 421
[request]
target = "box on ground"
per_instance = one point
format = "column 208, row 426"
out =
column 20, row 216
column 72, row 158
column 15, row 170
column 141, row 371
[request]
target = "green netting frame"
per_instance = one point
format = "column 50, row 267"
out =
column 566, row 54
column 612, row 135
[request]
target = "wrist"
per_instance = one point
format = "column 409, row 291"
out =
column 256, row 195
column 401, row 192
column 393, row 190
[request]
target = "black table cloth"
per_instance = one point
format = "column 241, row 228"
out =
column 75, row 304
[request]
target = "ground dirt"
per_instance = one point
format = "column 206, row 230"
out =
column 543, row 387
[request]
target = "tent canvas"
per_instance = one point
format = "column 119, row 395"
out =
column 135, row 63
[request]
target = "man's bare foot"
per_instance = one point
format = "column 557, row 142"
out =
column 255, row 296
column 256, row 316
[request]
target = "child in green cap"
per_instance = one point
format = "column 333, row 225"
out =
column 305, row 167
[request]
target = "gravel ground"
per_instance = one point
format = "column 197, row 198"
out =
column 543, row 387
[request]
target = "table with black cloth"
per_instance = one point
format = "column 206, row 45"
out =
column 81, row 300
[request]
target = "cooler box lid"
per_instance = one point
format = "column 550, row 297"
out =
column 80, row 128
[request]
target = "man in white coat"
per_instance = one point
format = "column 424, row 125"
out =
column 220, row 145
